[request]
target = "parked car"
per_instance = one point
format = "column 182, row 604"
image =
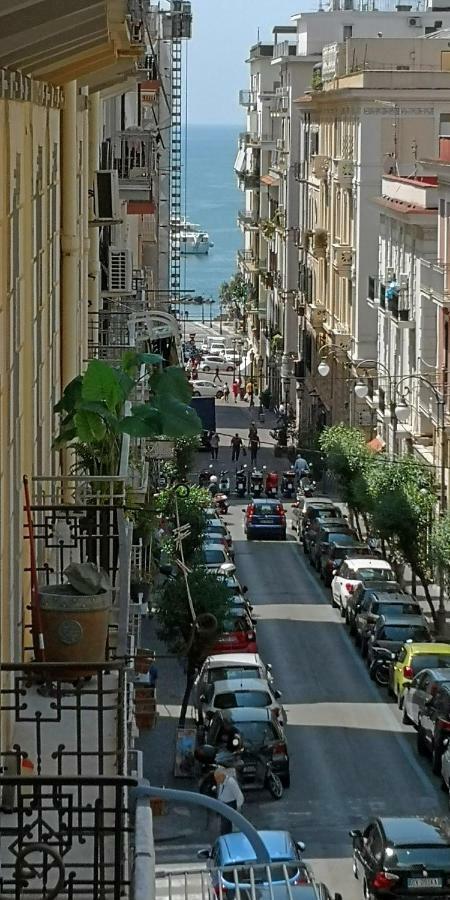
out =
column 391, row 632
column 356, row 571
column 445, row 767
column 412, row 659
column 317, row 510
column 315, row 890
column 418, row 692
column 402, row 857
column 364, row 591
column 222, row 540
column 210, row 363
column 334, row 554
column 324, row 536
column 231, row 356
column 214, row 525
column 232, row 693
column 260, row 733
column 433, row 726
column 228, row 667
column 232, row 857
column 238, row 636
column 379, row 603
column 212, row 555
column 202, row 388
column 333, row 526
column 304, row 510
column 265, row 518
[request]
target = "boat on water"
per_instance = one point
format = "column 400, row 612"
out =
column 192, row 238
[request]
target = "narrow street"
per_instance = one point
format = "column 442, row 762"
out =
column 351, row 757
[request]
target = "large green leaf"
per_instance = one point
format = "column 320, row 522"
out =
column 101, row 384
column 70, row 397
column 136, row 427
column 65, row 436
column 100, row 409
column 149, row 359
column 173, row 383
column 177, row 419
column 145, row 411
column 131, row 360
column 125, row 382
column 90, row 427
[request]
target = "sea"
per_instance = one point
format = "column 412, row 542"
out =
column 212, row 201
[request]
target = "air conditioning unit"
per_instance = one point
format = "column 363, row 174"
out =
column 120, row 271
column 415, row 22
column 106, row 195
column 404, row 281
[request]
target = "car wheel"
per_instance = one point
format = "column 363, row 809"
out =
column 367, row 893
column 206, row 369
column 333, row 601
column 436, row 761
column 229, row 368
column 422, row 748
column 283, row 536
column 405, row 718
column 400, row 700
column 286, row 780
column 219, row 395
column 196, row 394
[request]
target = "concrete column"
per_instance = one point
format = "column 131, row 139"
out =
column 94, row 284
column 70, row 243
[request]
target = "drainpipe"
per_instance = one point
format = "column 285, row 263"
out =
column 84, row 309
column 94, row 259
column 70, row 242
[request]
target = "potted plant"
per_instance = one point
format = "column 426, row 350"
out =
column 75, row 617
column 140, row 581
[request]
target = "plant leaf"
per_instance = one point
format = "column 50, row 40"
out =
column 101, row 384
column 145, row 411
column 70, row 397
column 90, row 427
column 137, row 427
column 173, row 383
column 65, row 436
column 100, row 409
column 125, row 382
column 177, row 419
column 149, row 359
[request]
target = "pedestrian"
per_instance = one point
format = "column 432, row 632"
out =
column 235, row 389
column 226, row 393
column 229, row 792
column 252, row 431
column 153, row 675
column 254, row 444
column 214, row 442
column 249, row 390
column 236, row 444
column 217, row 376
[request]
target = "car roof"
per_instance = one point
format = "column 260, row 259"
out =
column 428, row 647
column 207, row 545
column 395, row 597
column 313, row 891
column 240, row 684
column 236, row 847
column 222, row 660
column 401, row 620
column 368, row 562
column 346, row 547
column 321, row 504
column 378, row 587
column 413, row 830
column 248, row 714
column 437, row 674
column 259, row 501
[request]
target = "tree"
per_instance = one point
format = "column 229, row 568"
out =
column 349, row 459
column 211, row 601
column 191, row 505
column 440, row 550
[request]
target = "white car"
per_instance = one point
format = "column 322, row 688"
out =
column 352, row 572
column 203, row 388
column 222, row 540
column 211, row 363
column 231, row 357
column 217, row 348
column 214, row 556
column 234, row 692
column 229, row 666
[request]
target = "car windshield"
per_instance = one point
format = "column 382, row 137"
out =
column 407, row 857
column 230, row 673
column 329, row 514
column 343, row 538
column 257, row 734
column 374, row 574
column 255, row 699
column 392, row 609
column 216, row 528
column 403, row 633
column 213, row 557
column 429, row 661
column 265, row 509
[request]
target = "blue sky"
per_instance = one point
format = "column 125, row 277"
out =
column 223, row 31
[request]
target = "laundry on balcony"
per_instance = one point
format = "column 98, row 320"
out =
column 392, row 291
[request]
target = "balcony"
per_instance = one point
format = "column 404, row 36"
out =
column 248, row 99
column 319, row 243
column 278, row 160
column 343, row 172
column 320, row 166
column 249, row 179
column 249, row 261
column 248, row 220
column 343, row 260
column 435, row 281
column 134, row 158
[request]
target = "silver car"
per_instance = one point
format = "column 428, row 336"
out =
column 235, row 692
column 227, row 667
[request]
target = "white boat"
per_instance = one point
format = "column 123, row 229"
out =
column 192, row 238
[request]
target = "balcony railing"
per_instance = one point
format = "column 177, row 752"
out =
column 247, row 98
column 248, row 219
column 251, row 262
column 249, row 179
column 435, row 280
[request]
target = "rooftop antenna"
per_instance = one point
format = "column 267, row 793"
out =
column 258, row 38
column 320, row 7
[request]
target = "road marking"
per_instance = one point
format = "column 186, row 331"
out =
column 365, row 716
column 297, row 612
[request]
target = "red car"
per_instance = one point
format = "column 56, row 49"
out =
column 238, row 636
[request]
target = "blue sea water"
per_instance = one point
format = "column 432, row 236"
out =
column 212, row 201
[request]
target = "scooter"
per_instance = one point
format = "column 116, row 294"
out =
column 380, row 666
column 288, row 483
column 203, row 478
column 256, row 483
column 262, row 774
column 271, row 484
column 221, row 503
column 224, row 482
column 241, row 481
column 308, row 488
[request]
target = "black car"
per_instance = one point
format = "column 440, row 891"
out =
column 361, row 592
column 404, row 857
column 315, row 517
column 260, row 733
column 328, row 532
column 304, row 512
column 391, row 632
column 433, row 726
column 381, row 603
column 334, row 554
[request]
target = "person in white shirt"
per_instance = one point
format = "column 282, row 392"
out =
column 229, row 792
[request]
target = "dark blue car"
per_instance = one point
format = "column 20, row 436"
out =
column 265, row 518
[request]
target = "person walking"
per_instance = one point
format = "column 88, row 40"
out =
column 236, row 444
column 252, row 431
column 301, row 467
column 153, row 675
column 229, row 792
column 226, row 393
column 249, row 390
column 214, row 441
column 217, row 376
column 254, row 444
column 235, row 390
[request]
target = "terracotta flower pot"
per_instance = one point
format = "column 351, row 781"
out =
column 75, row 627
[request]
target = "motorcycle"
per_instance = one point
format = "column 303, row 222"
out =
column 288, row 483
column 271, row 484
column 280, row 436
column 254, row 772
column 203, row 478
column 308, row 487
column 241, row 481
column 224, row 482
column 256, row 483
column 381, row 665
column 221, row 503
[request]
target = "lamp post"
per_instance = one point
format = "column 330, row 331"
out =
column 252, row 363
column 285, row 379
column 333, row 351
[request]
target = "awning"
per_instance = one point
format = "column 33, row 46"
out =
column 270, row 180
column 239, row 164
column 377, row 445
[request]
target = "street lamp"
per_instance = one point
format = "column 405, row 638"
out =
column 361, row 390
column 402, row 411
column 323, row 369
column 252, row 363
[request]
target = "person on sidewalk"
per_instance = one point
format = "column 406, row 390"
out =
column 229, row 792
column 252, row 431
column 249, row 390
column 236, row 444
column 226, row 393
column 254, row 444
column 235, row 389
column 214, row 441
column 153, row 675
column 217, row 376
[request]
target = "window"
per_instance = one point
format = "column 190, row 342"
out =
column 220, row 674
column 232, row 699
column 347, row 32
